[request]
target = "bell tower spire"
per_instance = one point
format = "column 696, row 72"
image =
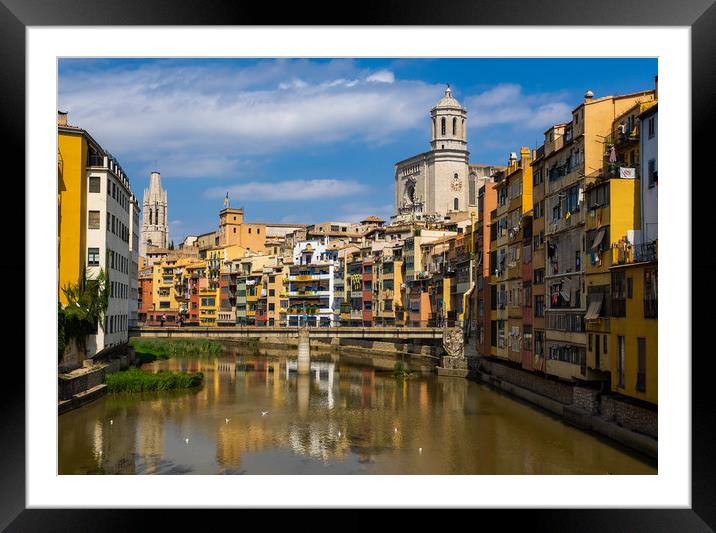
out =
column 449, row 128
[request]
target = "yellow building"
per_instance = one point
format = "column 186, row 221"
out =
column 208, row 305
column 72, row 183
column 634, row 336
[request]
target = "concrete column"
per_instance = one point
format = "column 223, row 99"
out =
column 304, row 351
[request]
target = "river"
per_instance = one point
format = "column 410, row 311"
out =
column 255, row 415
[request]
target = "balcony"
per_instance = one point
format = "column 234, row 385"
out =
column 309, row 293
column 309, row 277
column 624, row 253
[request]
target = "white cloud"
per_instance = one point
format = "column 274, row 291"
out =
column 506, row 103
column 382, row 76
column 290, row 190
column 203, row 120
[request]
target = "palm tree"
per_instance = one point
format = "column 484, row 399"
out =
column 85, row 310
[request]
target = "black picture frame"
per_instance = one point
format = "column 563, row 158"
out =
column 700, row 15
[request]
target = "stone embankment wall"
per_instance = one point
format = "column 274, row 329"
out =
column 619, row 418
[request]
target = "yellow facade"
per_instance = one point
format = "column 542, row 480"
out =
column 164, row 286
column 71, row 206
column 208, row 305
column 635, row 328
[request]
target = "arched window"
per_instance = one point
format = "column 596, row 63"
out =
column 462, row 128
column 442, row 125
column 454, row 126
column 456, row 205
column 434, row 128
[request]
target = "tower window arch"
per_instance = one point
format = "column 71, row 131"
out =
column 434, row 128
column 454, row 126
column 456, row 204
column 442, row 126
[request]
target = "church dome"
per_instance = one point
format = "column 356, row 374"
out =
column 448, row 100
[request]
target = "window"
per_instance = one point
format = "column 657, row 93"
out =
column 271, row 307
column 442, row 126
column 94, row 184
column 93, row 220
column 629, row 287
column 539, row 343
column 605, row 343
column 652, row 173
column 454, row 126
column 93, row 257
column 539, row 305
column 641, row 365
column 620, row 361
column 651, row 127
column 527, row 338
column 589, row 342
column 455, row 204
column 528, row 294
column 650, row 293
column 539, row 276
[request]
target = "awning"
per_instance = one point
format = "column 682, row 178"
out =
column 598, row 238
column 595, row 307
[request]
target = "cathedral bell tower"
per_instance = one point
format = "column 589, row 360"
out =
column 449, row 126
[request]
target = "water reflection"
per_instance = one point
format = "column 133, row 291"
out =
column 256, row 415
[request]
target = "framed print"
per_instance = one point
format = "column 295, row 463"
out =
column 427, row 254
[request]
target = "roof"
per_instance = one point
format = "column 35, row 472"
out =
column 448, row 100
column 372, row 218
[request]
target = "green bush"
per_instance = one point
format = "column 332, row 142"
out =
column 401, row 371
column 135, row 380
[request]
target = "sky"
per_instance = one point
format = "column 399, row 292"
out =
column 313, row 140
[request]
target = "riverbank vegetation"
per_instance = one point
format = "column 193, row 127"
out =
column 84, row 313
column 135, row 380
column 402, row 371
column 149, row 350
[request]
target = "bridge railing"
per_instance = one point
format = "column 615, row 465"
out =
column 366, row 324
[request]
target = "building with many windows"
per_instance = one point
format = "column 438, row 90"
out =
column 95, row 207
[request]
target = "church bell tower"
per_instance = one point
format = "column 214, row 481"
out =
column 449, row 126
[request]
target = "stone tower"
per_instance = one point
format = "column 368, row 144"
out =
column 449, row 128
column 155, row 227
column 435, row 183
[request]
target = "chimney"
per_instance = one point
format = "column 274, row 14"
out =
column 588, row 96
column 61, row 118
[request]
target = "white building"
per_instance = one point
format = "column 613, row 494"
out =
column 435, row 182
column 311, row 284
column 109, row 200
column 155, row 225
column 649, row 139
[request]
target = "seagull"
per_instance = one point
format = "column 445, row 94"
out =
column 396, row 430
column 227, row 420
column 264, row 413
column 111, row 422
column 339, row 433
column 186, row 440
column 420, row 450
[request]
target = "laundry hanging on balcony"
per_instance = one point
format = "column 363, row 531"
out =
column 612, row 154
column 627, row 172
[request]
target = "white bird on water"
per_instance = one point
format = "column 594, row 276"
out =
column 264, row 413
column 186, row 440
column 339, row 433
column 111, row 422
column 227, row 420
column 420, row 450
column 396, row 430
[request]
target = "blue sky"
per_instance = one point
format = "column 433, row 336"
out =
column 311, row 140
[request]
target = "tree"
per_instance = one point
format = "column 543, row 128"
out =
column 85, row 310
column 171, row 245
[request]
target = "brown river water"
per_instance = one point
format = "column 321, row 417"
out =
column 255, row 415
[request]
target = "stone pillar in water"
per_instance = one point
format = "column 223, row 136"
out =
column 304, row 351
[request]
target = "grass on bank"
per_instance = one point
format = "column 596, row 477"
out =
column 148, row 350
column 135, row 380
